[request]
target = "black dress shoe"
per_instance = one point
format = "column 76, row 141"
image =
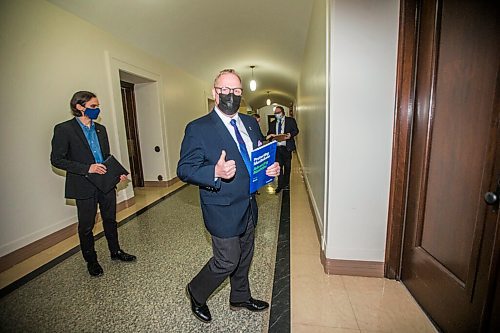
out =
column 200, row 311
column 94, row 269
column 251, row 304
column 122, row 256
column 277, row 190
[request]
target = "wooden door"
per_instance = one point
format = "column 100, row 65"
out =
column 211, row 104
column 270, row 119
column 134, row 150
column 449, row 238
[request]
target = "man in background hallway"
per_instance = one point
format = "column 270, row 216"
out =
column 215, row 157
column 79, row 146
column 287, row 127
column 257, row 117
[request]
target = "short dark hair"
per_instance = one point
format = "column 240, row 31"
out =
column 256, row 115
column 80, row 97
column 281, row 108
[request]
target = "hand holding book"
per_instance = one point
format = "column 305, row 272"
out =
column 279, row 137
column 107, row 174
column 264, row 168
column 273, row 170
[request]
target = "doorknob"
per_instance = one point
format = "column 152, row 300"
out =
column 491, row 198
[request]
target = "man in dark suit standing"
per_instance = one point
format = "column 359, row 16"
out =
column 215, row 157
column 287, row 127
column 79, row 146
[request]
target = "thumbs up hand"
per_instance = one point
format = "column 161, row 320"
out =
column 225, row 169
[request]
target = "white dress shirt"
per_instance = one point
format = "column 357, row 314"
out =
column 241, row 127
column 281, row 143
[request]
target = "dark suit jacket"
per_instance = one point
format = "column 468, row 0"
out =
column 224, row 203
column 71, row 152
column 290, row 127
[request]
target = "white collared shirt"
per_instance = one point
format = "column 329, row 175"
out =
column 281, row 143
column 241, row 127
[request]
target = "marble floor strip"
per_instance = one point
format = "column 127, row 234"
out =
column 279, row 321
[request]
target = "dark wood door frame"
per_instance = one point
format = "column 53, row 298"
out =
column 131, row 128
column 403, row 123
column 270, row 119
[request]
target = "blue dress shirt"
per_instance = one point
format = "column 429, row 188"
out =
column 93, row 140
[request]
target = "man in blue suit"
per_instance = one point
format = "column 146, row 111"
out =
column 214, row 156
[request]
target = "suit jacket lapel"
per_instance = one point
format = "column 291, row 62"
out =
column 102, row 141
column 79, row 132
column 251, row 132
column 226, row 138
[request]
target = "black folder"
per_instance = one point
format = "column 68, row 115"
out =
column 108, row 181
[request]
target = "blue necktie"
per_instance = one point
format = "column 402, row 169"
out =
column 279, row 127
column 243, row 147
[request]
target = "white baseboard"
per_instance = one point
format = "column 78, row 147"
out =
column 318, row 218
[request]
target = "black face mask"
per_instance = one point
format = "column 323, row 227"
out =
column 229, row 104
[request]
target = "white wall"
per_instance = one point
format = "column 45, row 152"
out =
column 48, row 54
column 149, row 123
column 311, row 113
column 362, row 89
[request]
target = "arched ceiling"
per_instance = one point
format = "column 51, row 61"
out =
column 205, row 36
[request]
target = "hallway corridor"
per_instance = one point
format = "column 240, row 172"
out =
column 148, row 296
column 395, row 104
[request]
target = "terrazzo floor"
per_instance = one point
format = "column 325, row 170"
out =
column 171, row 244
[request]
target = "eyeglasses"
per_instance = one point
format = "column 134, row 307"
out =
column 226, row 91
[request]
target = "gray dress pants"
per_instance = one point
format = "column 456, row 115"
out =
column 231, row 257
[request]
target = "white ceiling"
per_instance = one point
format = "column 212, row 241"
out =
column 205, row 36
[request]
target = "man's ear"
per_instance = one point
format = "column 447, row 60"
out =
column 80, row 108
column 214, row 95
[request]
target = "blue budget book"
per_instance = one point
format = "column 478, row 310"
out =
column 261, row 158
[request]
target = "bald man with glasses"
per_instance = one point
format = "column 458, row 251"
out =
column 215, row 156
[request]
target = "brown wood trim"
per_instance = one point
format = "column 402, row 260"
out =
column 352, row 267
column 125, row 204
column 25, row 252
column 403, row 122
column 491, row 309
column 161, row 183
column 173, row 181
column 15, row 257
column 155, row 183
